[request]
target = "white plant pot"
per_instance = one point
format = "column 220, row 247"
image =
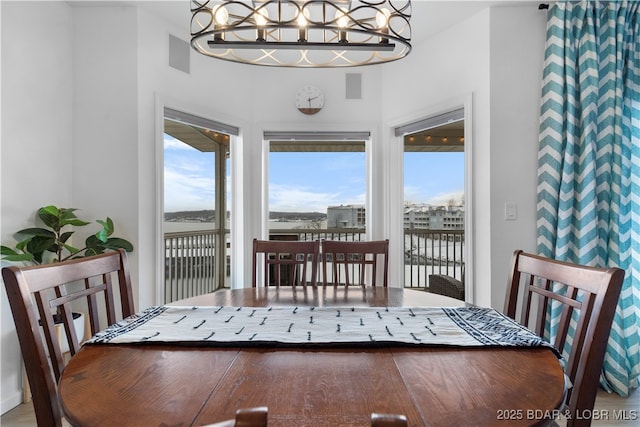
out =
column 78, row 324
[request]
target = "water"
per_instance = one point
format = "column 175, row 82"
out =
column 175, row 227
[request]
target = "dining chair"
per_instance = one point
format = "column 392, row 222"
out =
column 286, row 262
column 585, row 299
column 41, row 296
column 246, row 417
column 388, row 420
column 355, row 263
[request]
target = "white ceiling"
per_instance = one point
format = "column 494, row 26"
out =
column 428, row 17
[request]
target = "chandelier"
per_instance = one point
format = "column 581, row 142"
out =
column 302, row 33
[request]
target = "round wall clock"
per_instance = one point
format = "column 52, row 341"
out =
column 309, row 100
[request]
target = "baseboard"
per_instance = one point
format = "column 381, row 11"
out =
column 8, row 403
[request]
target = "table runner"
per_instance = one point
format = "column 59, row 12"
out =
column 329, row 326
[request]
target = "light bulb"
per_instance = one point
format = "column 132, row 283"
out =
column 302, row 25
column 303, row 16
column 261, row 17
column 342, row 18
column 382, row 18
column 220, row 14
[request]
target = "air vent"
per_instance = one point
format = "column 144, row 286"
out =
column 178, row 54
column 354, row 86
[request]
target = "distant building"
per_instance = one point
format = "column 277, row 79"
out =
column 415, row 217
column 346, row 216
column 434, row 217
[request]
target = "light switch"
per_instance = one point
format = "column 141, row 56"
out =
column 510, row 211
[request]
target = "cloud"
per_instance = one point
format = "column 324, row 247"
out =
column 187, row 193
column 443, row 198
column 414, row 194
column 291, row 198
column 188, row 178
column 170, row 143
column 307, row 182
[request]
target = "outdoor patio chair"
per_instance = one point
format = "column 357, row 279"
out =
column 449, row 286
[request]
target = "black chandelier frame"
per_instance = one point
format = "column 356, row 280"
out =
column 302, row 33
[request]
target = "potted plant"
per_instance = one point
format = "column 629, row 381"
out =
column 41, row 245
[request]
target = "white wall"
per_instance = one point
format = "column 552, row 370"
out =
column 105, row 119
column 445, row 69
column 97, row 111
column 208, row 91
column 37, row 157
column 497, row 56
column 517, row 53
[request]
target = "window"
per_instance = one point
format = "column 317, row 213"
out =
column 317, row 182
column 434, row 201
column 196, row 218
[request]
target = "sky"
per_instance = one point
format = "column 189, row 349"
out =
column 309, row 182
column 188, row 177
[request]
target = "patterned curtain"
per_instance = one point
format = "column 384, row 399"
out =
column 589, row 159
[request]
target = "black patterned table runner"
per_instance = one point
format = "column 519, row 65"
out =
column 328, row 326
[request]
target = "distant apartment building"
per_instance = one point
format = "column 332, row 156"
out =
column 434, row 217
column 415, row 217
column 346, row 216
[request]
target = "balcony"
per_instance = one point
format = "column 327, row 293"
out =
column 191, row 268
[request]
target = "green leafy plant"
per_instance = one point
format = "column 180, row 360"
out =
column 41, row 245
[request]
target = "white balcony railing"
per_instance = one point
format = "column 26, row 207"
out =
column 191, row 268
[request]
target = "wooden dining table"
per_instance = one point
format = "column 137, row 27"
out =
column 178, row 385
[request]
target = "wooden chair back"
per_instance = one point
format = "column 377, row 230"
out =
column 38, row 293
column 585, row 295
column 249, row 417
column 353, row 262
column 286, row 262
column 388, row 420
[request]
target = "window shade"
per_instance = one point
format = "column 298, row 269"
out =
column 179, row 116
column 431, row 122
column 316, row 136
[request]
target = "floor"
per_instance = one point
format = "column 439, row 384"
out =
column 610, row 410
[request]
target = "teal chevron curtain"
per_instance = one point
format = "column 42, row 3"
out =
column 589, row 159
